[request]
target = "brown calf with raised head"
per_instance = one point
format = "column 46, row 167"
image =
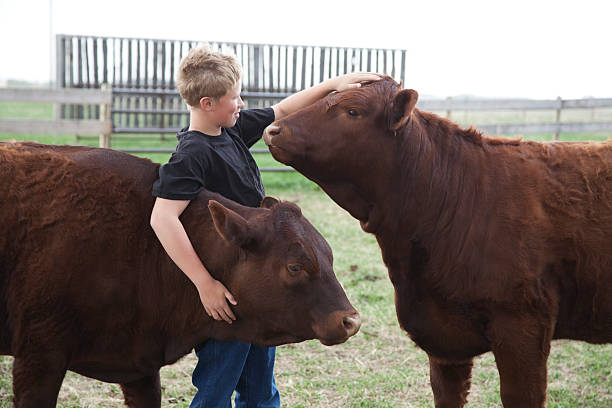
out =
column 86, row 286
column 491, row 244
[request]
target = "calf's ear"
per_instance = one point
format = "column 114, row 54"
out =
column 269, row 202
column 401, row 108
column 229, row 224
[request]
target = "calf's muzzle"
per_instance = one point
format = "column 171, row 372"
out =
column 338, row 328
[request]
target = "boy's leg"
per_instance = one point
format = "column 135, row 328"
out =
column 220, row 364
column 256, row 387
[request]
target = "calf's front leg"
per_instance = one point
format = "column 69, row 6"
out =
column 143, row 393
column 450, row 382
column 521, row 345
column 37, row 380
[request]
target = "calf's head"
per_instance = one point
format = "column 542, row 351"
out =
column 342, row 138
column 283, row 277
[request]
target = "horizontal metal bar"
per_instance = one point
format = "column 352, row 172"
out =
column 168, row 92
column 486, row 104
column 155, row 111
column 62, row 95
column 587, row 103
column 55, row 127
column 264, row 95
column 551, row 127
column 211, row 42
column 451, row 104
column 145, row 91
column 136, row 131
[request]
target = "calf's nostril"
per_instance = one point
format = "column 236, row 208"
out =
column 351, row 324
column 273, row 130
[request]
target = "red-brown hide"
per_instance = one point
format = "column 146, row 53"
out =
column 491, row 244
column 86, row 286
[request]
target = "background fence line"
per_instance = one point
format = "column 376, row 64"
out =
column 449, row 107
column 142, row 75
column 102, row 99
column 101, row 125
column 127, row 86
column 476, row 104
column 132, row 66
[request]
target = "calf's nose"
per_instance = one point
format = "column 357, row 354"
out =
column 273, row 129
column 352, row 324
column 270, row 132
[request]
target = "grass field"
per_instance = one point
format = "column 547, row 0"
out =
column 380, row 366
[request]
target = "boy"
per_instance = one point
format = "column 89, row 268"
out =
column 213, row 153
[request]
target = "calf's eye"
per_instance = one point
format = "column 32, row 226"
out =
column 353, row 112
column 294, row 268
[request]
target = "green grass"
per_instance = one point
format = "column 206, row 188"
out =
column 380, row 366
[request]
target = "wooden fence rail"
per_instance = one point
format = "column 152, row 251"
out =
column 556, row 127
column 474, row 104
column 65, row 95
column 101, row 126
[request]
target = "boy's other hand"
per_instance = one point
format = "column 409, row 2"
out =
column 214, row 296
column 353, row 80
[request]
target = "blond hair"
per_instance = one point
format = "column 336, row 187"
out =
column 204, row 72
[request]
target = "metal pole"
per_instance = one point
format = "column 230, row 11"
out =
column 50, row 43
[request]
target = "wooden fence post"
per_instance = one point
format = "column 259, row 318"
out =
column 105, row 115
column 558, row 119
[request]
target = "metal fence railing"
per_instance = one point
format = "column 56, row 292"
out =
column 142, row 74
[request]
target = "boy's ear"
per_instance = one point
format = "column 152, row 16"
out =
column 230, row 225
column 401, row 108
column 207, row 103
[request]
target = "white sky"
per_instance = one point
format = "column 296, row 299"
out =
column 522, row 48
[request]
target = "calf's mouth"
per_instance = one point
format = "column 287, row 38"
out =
column 271, row 138
column 337, row 331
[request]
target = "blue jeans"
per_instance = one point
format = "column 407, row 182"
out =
column 225, row 366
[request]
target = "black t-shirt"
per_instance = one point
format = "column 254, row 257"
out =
column 222, row 164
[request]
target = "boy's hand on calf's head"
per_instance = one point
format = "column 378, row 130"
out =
column 353, row 80
column 214, row 296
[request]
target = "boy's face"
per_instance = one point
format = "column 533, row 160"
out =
column 226, row 109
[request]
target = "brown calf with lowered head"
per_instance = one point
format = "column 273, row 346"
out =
column 86, row 286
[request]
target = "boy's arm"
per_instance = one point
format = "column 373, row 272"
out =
column 308, row 96
column 171, row 233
